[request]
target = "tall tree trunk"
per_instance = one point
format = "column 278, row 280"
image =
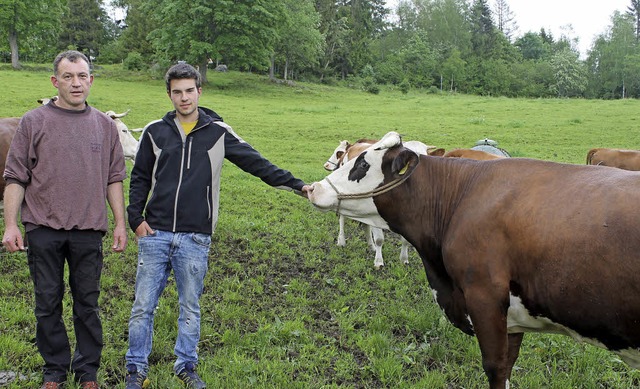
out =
column 272, row 65
column 13, row 45
column 203, row 70
column 286, row 68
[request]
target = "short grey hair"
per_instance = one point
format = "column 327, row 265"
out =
column 72, row 56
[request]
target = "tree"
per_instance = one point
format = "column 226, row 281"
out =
column 84, row 26
column 634, row 11
column 570, row 75
column 483, row 31
column 532, row 46
column 419, row 62
column 453, row 69
column 139, row 21
column 241, row 33
column 609, row 59
column 34, row 21
column 299, row 41
column 505, row 19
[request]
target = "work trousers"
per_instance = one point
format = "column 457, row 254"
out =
column 82, row 249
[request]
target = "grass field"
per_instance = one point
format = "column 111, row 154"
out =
column 283, row 306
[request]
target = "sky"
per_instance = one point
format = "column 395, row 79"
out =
column 587, row 18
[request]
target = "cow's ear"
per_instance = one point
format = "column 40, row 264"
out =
column 404, row 162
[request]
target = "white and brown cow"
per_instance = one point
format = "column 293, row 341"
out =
column 507, row 245
column 375, row 236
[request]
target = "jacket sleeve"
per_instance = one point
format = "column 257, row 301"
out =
column 141, row 179
column 243, row 155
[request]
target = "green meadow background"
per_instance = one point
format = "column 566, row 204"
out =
column 283, row 306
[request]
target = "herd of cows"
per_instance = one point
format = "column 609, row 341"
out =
column 509, row 245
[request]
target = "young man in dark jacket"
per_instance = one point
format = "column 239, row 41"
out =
column 173, row 209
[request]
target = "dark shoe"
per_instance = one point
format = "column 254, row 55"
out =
column 52, row 385
column 190, row 378
column 89, row 385
column 135, row 380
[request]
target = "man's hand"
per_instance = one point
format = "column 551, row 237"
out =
column 144, row 230
column 119, row 239
column 12, row 239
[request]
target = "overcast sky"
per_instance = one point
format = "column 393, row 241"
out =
column 588, row 18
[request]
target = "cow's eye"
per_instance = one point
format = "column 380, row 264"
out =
column 362, row 164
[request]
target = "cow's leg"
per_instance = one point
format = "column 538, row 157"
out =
column 341, row 240
column 515, row 340
column 404, row 251
column 488, row 314
column 377, row 237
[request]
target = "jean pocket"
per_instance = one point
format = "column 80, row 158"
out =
column 202, row 239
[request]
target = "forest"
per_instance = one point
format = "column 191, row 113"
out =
column 442, row 46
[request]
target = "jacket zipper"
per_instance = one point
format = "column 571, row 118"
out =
column 189, row 154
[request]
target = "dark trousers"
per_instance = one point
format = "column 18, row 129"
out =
column 47, row 252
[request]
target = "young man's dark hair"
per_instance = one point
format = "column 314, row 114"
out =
column 182, row 71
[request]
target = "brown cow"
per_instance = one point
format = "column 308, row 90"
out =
column 472, row 154
column 507, row 245
column 8, row 128
column 622, row 159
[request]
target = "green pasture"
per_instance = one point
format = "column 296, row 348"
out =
column 283, row 306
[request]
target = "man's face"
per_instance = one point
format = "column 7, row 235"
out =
column 184, row 95
column 73, row 82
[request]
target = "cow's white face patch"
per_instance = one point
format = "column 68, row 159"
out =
column 359, row 176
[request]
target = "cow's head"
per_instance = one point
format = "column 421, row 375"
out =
column 127, row 140
column 350, row 189
column 334, row 161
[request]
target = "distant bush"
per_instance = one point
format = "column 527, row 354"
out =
column 369, row 85
column 134, row 61
column 404, row 86
column 112, row 53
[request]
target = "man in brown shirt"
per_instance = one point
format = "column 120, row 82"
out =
column 64, row 160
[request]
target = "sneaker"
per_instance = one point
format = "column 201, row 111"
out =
column 52, row 385
column 134, row 380
column 89, row 385
column 190, row 378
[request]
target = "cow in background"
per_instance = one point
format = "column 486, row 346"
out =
column 620, row 158
column 8, row 128
column 507, row 245
column 375, row 236
column 127, row 140
column 472, row 154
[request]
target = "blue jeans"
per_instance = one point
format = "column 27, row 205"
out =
column 186, row 253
